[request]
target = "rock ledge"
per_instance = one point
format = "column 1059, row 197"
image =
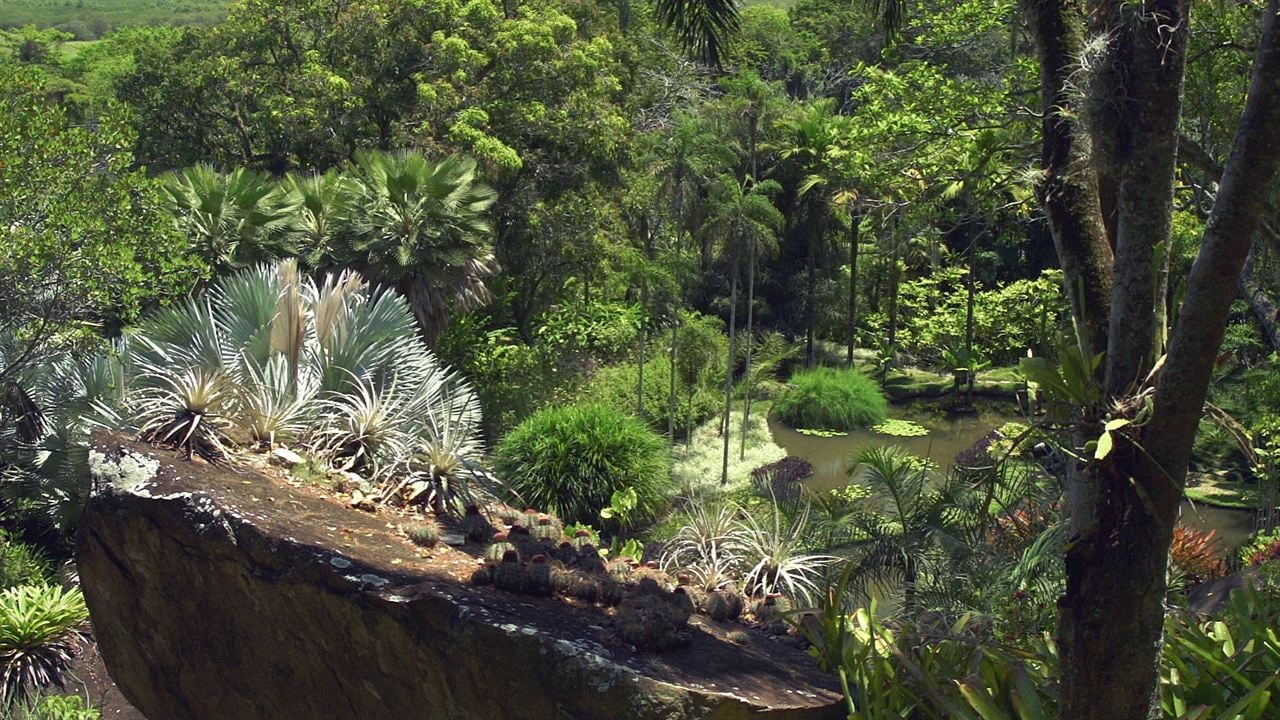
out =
column 219, row 594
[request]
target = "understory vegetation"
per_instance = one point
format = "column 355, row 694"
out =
column 579, row 262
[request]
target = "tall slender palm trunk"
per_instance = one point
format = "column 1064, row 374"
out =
column 728, row 370
column 855, row 222
column 746, row 370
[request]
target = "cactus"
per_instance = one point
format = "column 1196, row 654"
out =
column 495, row 552
column 529, row 518
column 475, row 526
column 423, row 534
column 723, row 605
column 738, row 637
column 547, row 531
column 771, row 609
column 483, row 575
column 589, row 560
column 581, row 539
column 562, row 580
column 619, row 570
column 585, row 589
column 538, row 577
column 610, row 592
column 653, row 619
column 509, row 574
column 508, row 515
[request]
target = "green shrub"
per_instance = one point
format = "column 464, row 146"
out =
column 616, row 387
column 58, row 707
column 21, row 564
column 831, row 399
column 38, row 628
column 570, row 460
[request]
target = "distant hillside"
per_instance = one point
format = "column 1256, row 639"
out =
column 90, row 19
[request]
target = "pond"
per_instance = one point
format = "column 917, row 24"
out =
column 948, row 436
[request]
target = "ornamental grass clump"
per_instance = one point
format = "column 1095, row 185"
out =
column 831, row 399
column 571, row 460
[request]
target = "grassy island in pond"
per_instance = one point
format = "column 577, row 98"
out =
column 831, row 399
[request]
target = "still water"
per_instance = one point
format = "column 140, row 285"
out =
column 948, row 436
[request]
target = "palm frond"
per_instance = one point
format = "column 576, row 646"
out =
column 703, row 27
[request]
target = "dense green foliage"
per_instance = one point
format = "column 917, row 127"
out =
column 617, row 387
column 84, row 241
column 831, row 399
column 571, row 460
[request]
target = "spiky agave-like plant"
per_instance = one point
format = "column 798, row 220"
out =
column 775, row 550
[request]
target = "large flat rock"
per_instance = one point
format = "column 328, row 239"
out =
column 218, row 594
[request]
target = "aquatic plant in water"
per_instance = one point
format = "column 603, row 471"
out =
column 901, row 428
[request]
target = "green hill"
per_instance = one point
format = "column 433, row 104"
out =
column 90, row 19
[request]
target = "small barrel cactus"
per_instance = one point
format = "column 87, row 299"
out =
column 507, row 515
column 509, row 574
column 538, row 576
column 652, row 619
column 424, row 533
column 483, row 575
column 562, row 579
column 772, row 609
column 585, row 589
column 475, row 526
column 546, row 531
column 581, row 539
column 499, row 548
column 723, row 605
column 611, row 592
column 529, row 518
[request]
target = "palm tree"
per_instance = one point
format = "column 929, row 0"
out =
column 323, row 207
column 703, row 27
column 234, row 219
column 422, row 227
column 809, row 140
column 754, row 107
column 917, row 528
column 682, row 162
column 742, row 218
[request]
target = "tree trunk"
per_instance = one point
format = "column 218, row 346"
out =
column 811, row 290
column 1151, row 66
column 728, row 370
column 1260, row 301
column 855, row 221
column 1068, row 189
column 753, row 125
column 746, row 369
column 642, row 341
column 671, row 399
column 1123, row 508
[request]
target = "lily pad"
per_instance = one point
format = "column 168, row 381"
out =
column 815, row 432
column 901, row 428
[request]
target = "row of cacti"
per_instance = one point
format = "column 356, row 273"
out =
column 534, row 557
